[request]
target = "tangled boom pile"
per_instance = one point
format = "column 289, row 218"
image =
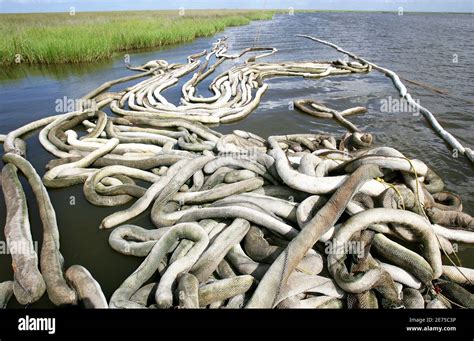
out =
column 293, row 221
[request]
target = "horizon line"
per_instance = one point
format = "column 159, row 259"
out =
column 243, row 9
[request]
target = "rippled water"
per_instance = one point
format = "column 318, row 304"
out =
column 434, row 49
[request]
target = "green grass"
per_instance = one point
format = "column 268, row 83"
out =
column 55, row 38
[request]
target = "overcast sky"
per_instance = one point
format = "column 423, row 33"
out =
column 17, row 6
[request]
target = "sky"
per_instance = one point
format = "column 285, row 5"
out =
column 25, row 6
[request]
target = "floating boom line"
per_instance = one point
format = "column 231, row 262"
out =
column 445, row 135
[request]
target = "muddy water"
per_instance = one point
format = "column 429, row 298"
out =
column 434, row 49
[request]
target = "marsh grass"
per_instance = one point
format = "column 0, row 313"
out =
column 53, row 38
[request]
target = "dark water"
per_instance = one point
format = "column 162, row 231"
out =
column 435, row 49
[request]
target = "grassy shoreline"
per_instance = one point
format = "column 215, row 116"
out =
column 58, row 38
column 61, row 38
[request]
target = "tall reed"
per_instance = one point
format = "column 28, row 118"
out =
column 52, row 38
